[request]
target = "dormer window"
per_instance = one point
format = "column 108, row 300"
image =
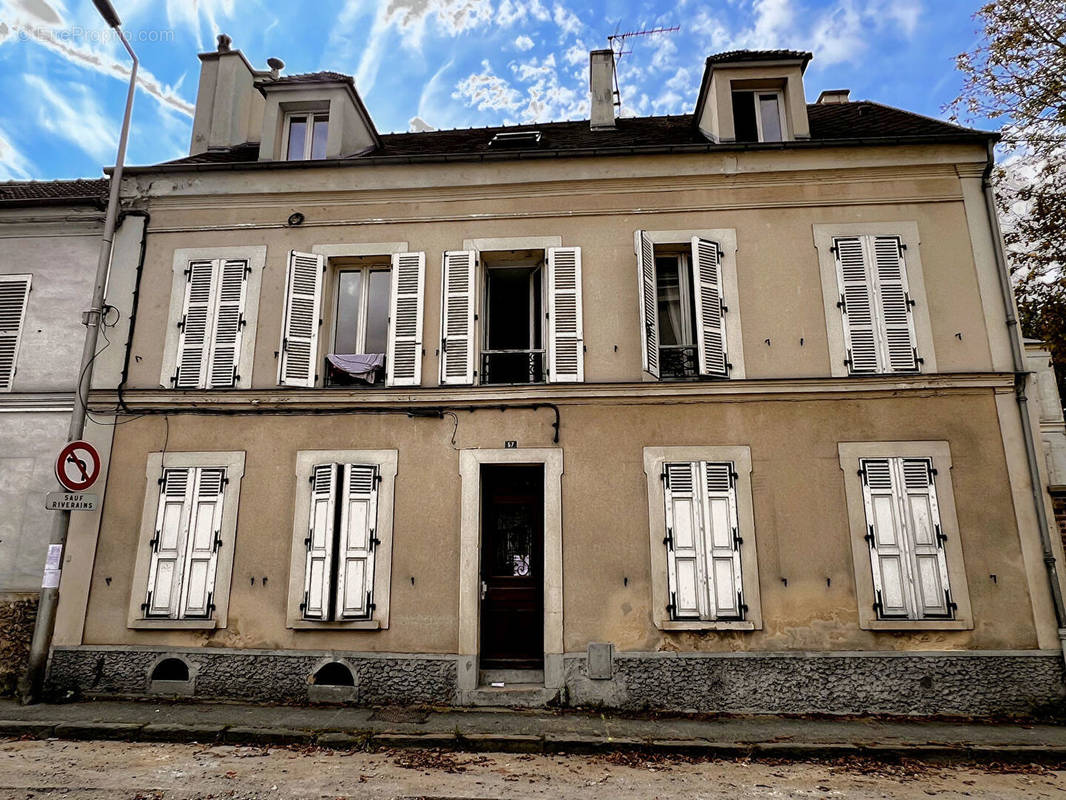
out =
column 758, row 116
column 306, row 136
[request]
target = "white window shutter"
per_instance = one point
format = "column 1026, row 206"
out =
column 203, row 540
column 168, row 545
column 683, row 522
column 14, row 297
column 893, row 298
column 566, row 342
column 925, row 537
column 722, row 541
column 856, row 306
column 357, row 541
column 298, row 360
column 228, row 325
column 710, row 310
column 319, row 542
column 649, row 304
column 196, row 325
column 458, row 299
column 886, row 538
column 404, row 359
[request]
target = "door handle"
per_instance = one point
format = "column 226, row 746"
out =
column 484, row 589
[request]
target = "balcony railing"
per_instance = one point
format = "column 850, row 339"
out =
column 679, row 361
column 512, row 366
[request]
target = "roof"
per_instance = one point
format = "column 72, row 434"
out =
column 736, row 56
column 311, row 77
column 81, row 191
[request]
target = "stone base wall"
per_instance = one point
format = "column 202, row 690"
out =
column 17, row 616
column 971, row 684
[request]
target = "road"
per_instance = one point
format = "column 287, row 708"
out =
column 37, row 770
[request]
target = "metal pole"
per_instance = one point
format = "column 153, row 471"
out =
column 31, row 683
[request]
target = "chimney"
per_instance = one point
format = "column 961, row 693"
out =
column 229, row 107
column 601, row 86
column 833, row 96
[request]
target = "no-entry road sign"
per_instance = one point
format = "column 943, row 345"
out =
column 78, row 466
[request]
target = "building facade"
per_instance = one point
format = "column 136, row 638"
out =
column 709, row 412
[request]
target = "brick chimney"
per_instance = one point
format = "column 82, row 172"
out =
column 601, row 87
column 834, row 96
column 229, row 108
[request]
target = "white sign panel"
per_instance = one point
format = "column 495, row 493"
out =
column 71, row 501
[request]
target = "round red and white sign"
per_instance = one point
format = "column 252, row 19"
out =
column 78, row 466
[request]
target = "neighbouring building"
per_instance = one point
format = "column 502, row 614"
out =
column 713, row 411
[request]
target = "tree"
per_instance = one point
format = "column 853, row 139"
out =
column 1017, row 75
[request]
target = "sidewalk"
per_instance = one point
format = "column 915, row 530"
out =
column 535, row 731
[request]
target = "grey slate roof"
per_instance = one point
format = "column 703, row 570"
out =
column 312, row 77
column 81, row 191
column 736, row 56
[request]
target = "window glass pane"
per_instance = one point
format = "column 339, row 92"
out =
column 744, row 117
column 377, row 313
column 770, row 115
column 349, row 291
column 668, row 280
column 318, row 137
column 297, row 137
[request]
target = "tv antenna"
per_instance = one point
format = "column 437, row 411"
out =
column 619, row 40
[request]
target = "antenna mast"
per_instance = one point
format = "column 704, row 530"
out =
column 619, row 39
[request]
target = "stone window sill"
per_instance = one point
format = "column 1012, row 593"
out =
column 917, row 625
column 174, row 624
column 705, row 625
column 351, row 625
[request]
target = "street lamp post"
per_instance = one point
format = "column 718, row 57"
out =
column 31, row 683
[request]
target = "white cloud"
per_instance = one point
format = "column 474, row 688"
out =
column 539, row 95
column 508, row 12
column 487, row 91
column 419, row 125
column 75, row 116
column 14, row 166
column 523, row 43
column 576, row 53
column 566, row 20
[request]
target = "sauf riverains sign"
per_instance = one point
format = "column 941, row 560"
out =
column 77, row 468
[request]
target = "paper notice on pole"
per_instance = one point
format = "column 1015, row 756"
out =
column 51, row 567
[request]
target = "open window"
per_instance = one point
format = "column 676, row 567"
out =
column 759, row 116
column 512, row 335
column 358, row 351
column 305, row 135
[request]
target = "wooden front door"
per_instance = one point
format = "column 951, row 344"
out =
column 512, row 567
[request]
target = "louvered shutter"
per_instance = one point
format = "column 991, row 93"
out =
column 298, row 363
column 925, row 537
column 196, row 325
column 565, row 334
column 357, row 541
column 710, row 309
column 722, row 542
column 683, row 523
column 228, row 325
column 457, row 318
column 404, row 360
column 885, row 536
column 649, row 304
column 856, row 306
column 319, row 542
column 203, row 540
column 14, row 296
column 168, row 544
column 893, row 298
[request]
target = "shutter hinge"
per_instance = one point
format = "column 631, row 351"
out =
column 664, row 478
column 181, row 322
column 241, row 321
column 842, row 304
column 902, row 246
column 154, row 542
column 307, row 542
column 444, row 345
column 669, row 538
column 878, row 605
column 941, row 537
column 742, row 607
column 672, row 606
column 951, row 604
column 218, row 541
column 370, row 605
column 833, row 249
column 862, row 474
column 210, row 609
column 188, row 274
column 869, row 537
column 738, row 540
column 303, row 605
column 723, row 306
column 247, row 270
column 147, row 604
column 374, row 540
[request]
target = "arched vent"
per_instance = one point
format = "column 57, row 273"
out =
column 334, row 674
column 171, row 669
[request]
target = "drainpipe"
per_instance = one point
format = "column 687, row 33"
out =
column 135, row 300
column 1021, row 379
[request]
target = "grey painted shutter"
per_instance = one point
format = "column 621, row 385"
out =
column 203, row 541
column 228, row 326
column 298, row 363
column 319, row 542
column 196, row 323
column 565, row 332
column 168, row 544
column 404, row 359
column 649, row 304
column 457, row 318
column 14, row 295
column 722, row 541
column 710, row 310
column 925, row 538
column 683, row 523
column 885, row 536
column 357, row 541
column 899, row 354
column 856, row 306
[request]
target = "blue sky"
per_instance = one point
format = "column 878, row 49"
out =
column 451, row 63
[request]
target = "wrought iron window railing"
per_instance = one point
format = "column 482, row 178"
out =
column 512, row 366
column 679, row 361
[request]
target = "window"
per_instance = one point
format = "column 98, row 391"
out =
column 512, row 348
column 342, row 539
column 14, row 297
column 188, row 526
column 306, row 136
column 360, row 324
column 703, row 538
column 758, row 116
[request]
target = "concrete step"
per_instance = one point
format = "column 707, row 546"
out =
column 487, row 677
column 517, row 695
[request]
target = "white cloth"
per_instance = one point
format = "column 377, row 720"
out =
column 363, row 366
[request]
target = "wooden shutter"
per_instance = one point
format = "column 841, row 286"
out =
column 893, row 299
column 404, row 360
column 228, row 325
column 856, row 306
column 298, row 362
column 710, row 310
column 722, row 542
column 565, row 334
column 886, row 538
column 683, row 523
column 203, row 540
column 457, row 318
column 319, row 542
column 14, row 297
column 649, row 304
column 196, row 325
column 357, row 541
column 925, row 538
column 168, row 544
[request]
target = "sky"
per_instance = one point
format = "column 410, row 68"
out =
column 437, row 63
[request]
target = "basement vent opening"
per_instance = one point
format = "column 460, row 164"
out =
column 515, row 139
column 171, row 669
column 334, row 674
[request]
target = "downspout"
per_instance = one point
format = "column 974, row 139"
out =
column 1021, row 379
column 135, row 302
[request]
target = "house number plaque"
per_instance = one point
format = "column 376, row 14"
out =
column 510, row 444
